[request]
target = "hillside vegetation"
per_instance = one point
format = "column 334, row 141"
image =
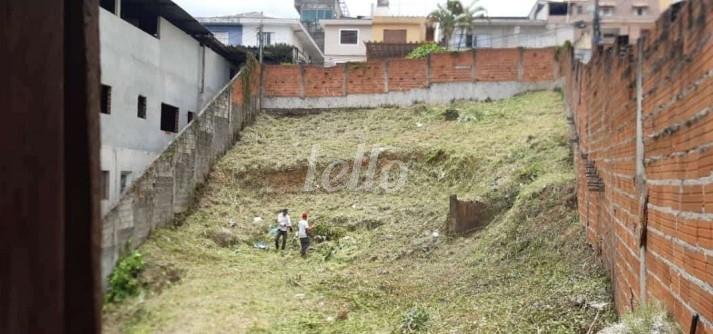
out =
column 387, row 265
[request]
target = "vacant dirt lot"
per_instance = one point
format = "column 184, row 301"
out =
column 387, row 265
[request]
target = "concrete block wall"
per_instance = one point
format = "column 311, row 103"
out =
column 167, row 187
column 477, row 74
column 643, row 131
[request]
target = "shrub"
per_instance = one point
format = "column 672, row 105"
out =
column 280, row 53
column 414, row 320
column 424, row 50
column 328, row 231
column 124, row 280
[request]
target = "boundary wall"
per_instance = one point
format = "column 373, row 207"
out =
column 643, row 139
column 168, row 185
column 480, row 74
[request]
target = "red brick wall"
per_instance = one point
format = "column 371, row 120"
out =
column 452, row 67
column 240, row 93
column 366, row 78
column 677, row 160
column 497, row 64
column 404, row 74
column 537, row 64
column 283, row 80
column 323, row 81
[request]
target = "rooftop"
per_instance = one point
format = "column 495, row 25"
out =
column 187, row 23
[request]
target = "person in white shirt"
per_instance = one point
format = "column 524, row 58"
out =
column 302, row 233
column 284, row 224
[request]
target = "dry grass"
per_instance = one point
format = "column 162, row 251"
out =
column 522, row 274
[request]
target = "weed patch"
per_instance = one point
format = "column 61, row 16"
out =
column 124, row 280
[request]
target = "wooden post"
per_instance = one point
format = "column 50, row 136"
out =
column 49, row 204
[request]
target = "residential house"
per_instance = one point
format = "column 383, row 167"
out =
column 344, row 39
column 243, row 30
column 538, row 28
column 313, row 11
column 622, row 20
column 401, row 29
column 392, row 29
column 510, row 32
column 159, row 68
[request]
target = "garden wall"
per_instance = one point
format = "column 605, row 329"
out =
column 476, row 75
column 643, row 121
column 168, row 185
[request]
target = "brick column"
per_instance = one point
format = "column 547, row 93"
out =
column 345, row 78
column 520, row 63
column 386, row 75
column 473, row 68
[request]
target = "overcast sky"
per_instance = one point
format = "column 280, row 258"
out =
column 285, row 8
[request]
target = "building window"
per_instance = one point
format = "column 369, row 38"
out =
column 124, row 182
column 468, row 41
column 606, row 11
column 266, row 38
column 169, row 118
column 641, row 11
column 105, row 184
column 558, row 9
column 223, row 37
column 395, row 36
column 109, row 5
column 430, row 34
column 580, row 9
column 140, row 17
column 314, row 15
column 141, row 107
column 105, row 99
column 190, row 116
column 348, row 37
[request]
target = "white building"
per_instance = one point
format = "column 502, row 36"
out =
column 155, row 77
column 243, row 30
column 511, row 32
column 544, row 26
column 344, row 40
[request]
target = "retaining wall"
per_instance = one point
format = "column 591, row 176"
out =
column 167, row 187
column 643, row 120
column 476, row 75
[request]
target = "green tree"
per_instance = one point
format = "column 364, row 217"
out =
column 454, row 16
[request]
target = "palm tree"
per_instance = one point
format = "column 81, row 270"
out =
column 455, row 15
column 466, row 19
column 446, row 20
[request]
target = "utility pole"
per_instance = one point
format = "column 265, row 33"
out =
column 596, row 26
column 260, row 38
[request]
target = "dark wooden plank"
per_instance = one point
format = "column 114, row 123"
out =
column 38, row 291
column 81, row 169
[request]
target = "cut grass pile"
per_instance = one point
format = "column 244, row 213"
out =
column 386, row 266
